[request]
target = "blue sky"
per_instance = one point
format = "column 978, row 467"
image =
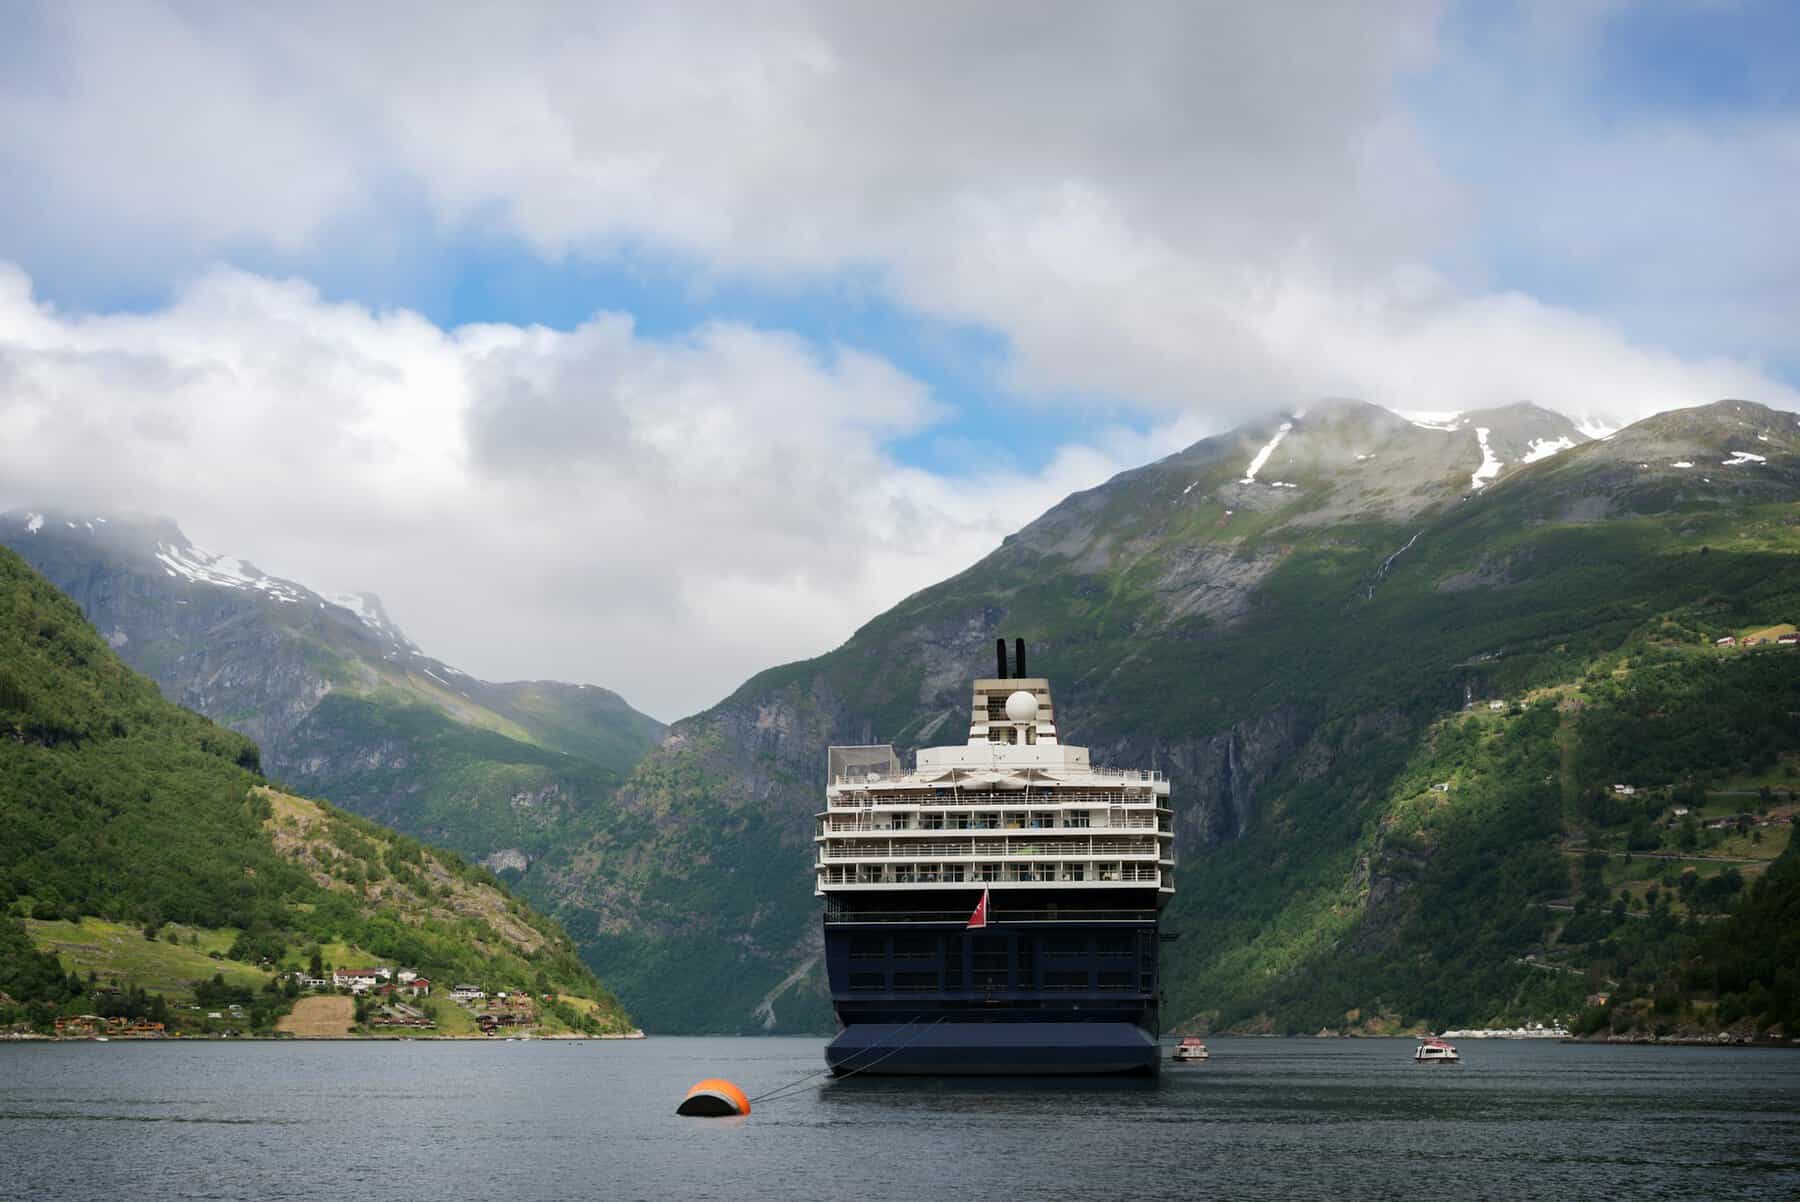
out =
column 893, row 280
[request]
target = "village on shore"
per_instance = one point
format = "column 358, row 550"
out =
column 346, row 1002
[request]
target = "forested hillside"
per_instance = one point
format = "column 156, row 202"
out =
column 117, row 805
column 1305, row 623
column 341, row 702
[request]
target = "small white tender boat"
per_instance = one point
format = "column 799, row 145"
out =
column 1191, row 1049
column 1435, row 1051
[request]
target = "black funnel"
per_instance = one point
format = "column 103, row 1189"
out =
column 1000, row 656
column 1019, row 657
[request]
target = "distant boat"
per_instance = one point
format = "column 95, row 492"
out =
column 1435, row 1051
column 1191, row 1049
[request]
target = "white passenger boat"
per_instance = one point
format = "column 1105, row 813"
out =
column 1191, row 1049
column 1436, row 1051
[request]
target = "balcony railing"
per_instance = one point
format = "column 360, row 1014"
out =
column 1012, row 873
column 1040, row 797
column 865, row 824
column 936, row 849
column 856, row 780
column 996, row 916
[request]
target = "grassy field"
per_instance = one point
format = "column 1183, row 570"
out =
column 319, row 1018
column 116, row 949
column 452, row 1019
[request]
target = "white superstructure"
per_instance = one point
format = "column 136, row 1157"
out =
column 1013, row 808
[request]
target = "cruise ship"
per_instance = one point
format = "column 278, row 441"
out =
column 994, row 909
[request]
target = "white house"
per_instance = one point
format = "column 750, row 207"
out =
column 358, row 980
column 468, row 993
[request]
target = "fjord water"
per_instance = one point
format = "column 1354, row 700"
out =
column 1264, row 1118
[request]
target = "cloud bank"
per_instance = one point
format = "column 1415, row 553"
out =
column 661, row 516
column 1190, row 213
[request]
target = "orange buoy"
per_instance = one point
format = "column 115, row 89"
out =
column 714, row 1098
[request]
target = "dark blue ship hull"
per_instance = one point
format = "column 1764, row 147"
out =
column 1062, row 991
column 940, row 1049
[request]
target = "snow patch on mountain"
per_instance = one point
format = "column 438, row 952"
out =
column 1448, row 421
column 190, row 563
column 368, row 610
column 1262, row 456
column 1739, row 458
column 1543, row 448
column 1681, row 463
column 1490, row 463
column 34, row 522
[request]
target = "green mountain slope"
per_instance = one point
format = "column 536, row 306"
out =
column 1293, row 644
column 116, row 804
column 343, row 705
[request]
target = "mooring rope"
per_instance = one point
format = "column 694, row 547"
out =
column 779, row 1090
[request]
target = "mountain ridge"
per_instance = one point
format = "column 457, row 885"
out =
column 117, row 805
column 1161, row 604
column 341, row 701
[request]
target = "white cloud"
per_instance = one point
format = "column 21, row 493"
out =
column 1190, row 207
column 1196, row 211
column 661, row 516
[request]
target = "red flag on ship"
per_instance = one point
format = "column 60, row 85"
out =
column 979, row 918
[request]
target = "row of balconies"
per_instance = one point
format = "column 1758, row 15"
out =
column 1129, row 776
column 887, row 876
column 907, row 849
column 964, row 799
column 903, row 824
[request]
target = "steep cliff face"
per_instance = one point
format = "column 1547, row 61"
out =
column 342, row 703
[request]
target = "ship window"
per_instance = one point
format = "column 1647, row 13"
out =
column 1074, row 872
column 915, row 947
column 990, row 962
column 1114, row 945
column 1040, row 821
column 1065, row 980
column 868, row 982
column 958, row 822
column 1067, row 947
column 1115, row 980
column 915, row 982
column 990, row 872
column 1076, row 819
column 931, row 822
column 987, row 822
column 868, row 947
column 953, row 873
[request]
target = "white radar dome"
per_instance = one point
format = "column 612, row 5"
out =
column 1022, row 707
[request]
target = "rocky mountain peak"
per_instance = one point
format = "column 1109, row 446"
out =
column 1730, row 450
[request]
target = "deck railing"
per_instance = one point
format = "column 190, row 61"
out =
column 1040, row 797
column 908, row 849
column 996, row 916
column 865, row 824
column 1011, row 873
column 856, row 780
